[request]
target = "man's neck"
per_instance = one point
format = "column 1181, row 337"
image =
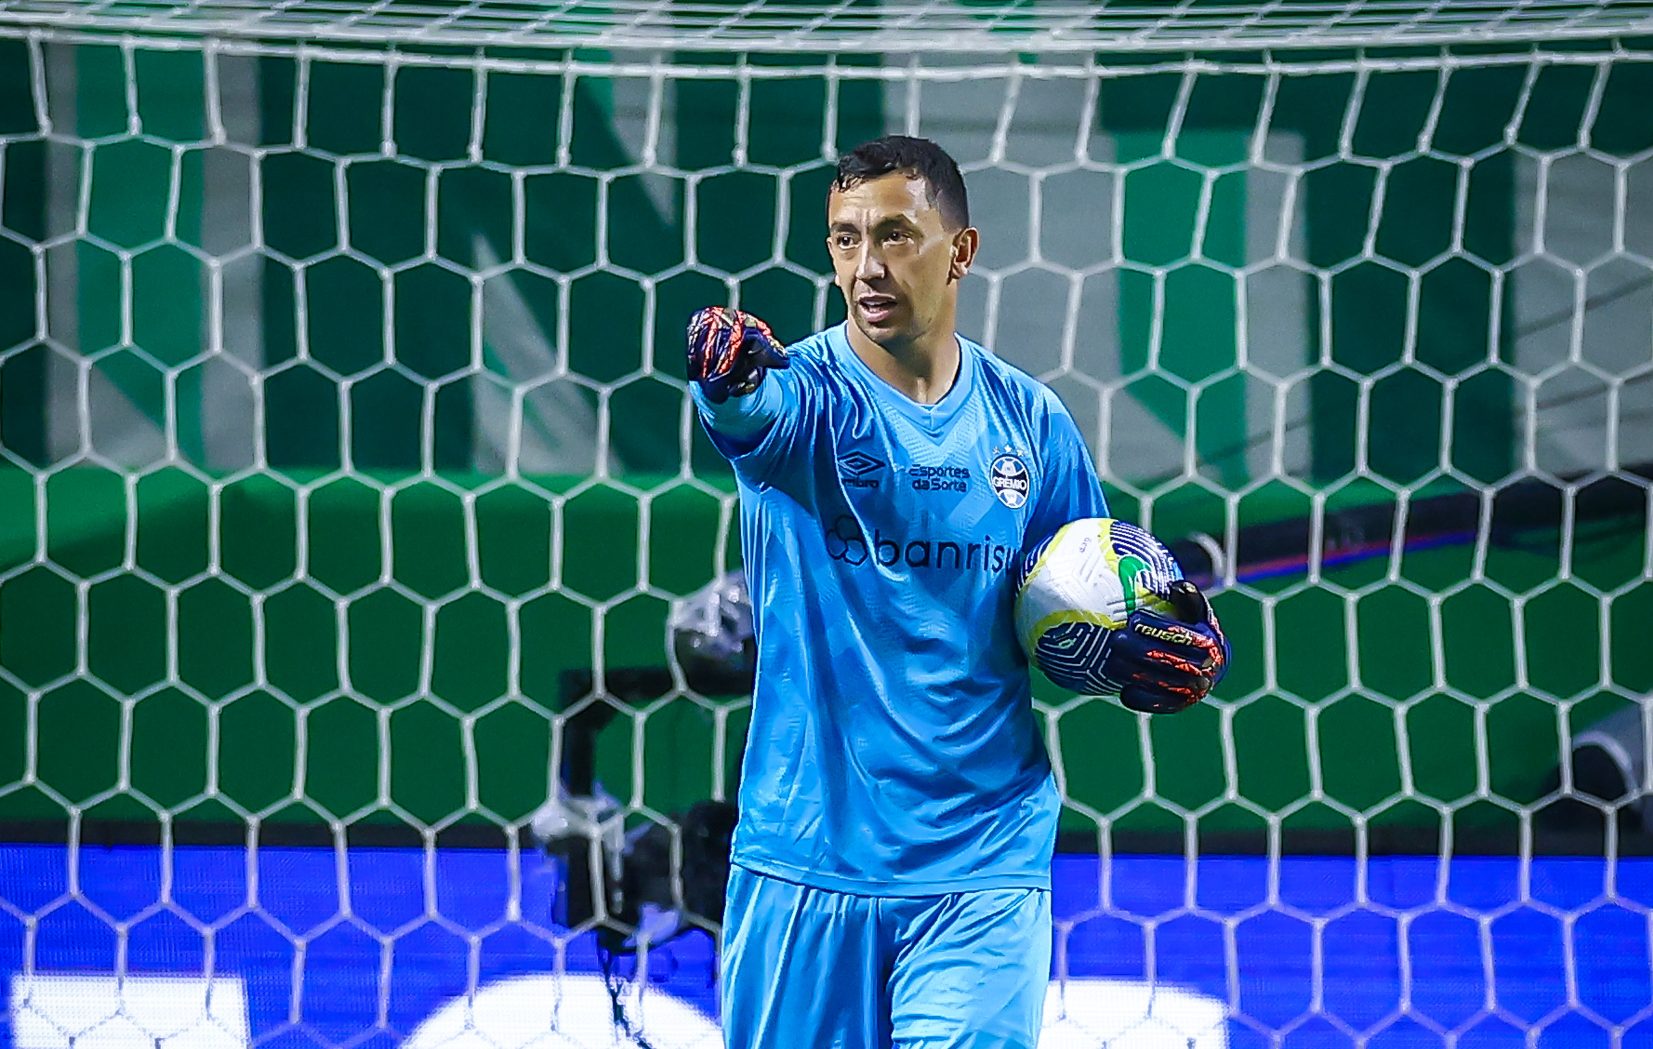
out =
column 922, row 371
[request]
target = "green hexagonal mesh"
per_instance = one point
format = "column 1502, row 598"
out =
column 347, row 471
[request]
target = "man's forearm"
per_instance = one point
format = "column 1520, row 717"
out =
column 742, row 418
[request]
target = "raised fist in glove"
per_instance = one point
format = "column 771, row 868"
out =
column 1167, row 664
column 730, row 351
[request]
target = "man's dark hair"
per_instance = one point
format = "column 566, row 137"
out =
column 915, row 158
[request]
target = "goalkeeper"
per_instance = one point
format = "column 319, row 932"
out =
column 891, row 864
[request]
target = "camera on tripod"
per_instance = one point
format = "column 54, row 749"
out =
column 652, row 881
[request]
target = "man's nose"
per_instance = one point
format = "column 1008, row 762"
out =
column 869, row 266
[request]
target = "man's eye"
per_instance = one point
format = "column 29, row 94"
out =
column 844, row 240
column 896, row 236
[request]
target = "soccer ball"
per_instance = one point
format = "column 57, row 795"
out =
column 1077, row 587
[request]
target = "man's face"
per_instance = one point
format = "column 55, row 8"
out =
column 894, row 258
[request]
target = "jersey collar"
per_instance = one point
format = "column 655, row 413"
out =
column 932, row 417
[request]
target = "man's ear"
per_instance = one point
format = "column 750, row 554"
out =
column 965, row 244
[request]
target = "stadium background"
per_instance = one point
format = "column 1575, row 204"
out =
column 334, row 593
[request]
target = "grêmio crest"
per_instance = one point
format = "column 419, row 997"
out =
column 1010, row 478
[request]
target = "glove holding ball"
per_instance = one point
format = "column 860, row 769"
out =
column 1168, row 664
column 1102, row 609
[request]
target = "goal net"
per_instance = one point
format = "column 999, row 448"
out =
column 348, row 478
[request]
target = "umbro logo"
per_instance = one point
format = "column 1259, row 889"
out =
column 859, row 464
column 854, row 468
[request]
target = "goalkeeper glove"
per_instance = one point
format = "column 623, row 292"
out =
column 1168, row 664
column 730, row 351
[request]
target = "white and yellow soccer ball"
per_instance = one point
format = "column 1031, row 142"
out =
column 1077, row 587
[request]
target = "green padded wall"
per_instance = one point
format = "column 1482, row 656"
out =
column 421, row 698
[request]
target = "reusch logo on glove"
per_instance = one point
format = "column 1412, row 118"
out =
column 1181, row 637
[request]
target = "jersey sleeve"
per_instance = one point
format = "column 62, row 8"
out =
column 769, row 426
column 1070, row 489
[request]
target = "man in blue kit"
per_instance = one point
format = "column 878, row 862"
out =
column 891, row 866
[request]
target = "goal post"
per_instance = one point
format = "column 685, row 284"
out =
column 343, row 425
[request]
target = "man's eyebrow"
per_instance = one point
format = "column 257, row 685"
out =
column 882, row 222
column 900, row 218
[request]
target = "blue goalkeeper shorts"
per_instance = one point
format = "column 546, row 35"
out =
column 831, row 970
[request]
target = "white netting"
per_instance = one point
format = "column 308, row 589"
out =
column 929, row 25
column 347, row 475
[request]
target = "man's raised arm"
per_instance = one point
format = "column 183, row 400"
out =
column 729, row 353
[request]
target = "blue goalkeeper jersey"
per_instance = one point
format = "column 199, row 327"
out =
column 893, row 748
